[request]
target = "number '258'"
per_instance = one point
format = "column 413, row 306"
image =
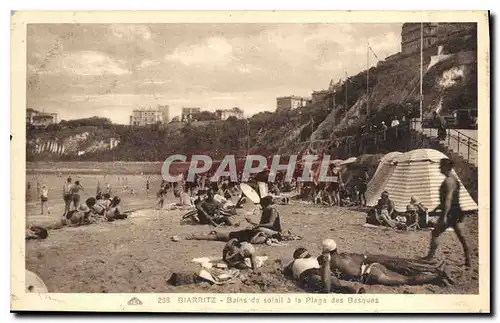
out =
column 163, row 300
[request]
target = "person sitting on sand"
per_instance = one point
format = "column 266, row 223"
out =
column 99, row 198
column 80, row 216
column 270, row 222
column 307, row 271
column 235, row 253
column 371, row 270
column 95, row 207
column 114, row 211
column 381, row 214
column 268, row 227
column 209, row 211
column 416, row 212
column 106, row 201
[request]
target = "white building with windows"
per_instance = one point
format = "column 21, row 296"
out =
column 146, row 117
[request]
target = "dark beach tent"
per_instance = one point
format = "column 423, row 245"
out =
column 382, row 175
column 352, row 170
column 416, row 173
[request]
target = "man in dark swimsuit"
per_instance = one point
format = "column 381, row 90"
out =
column 362, row 187
column 451, row 212
column 334, row 187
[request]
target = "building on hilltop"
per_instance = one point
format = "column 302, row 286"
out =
column 410, row 36
column 290, row 102
column 145, row 117
column 40, row 119
column 165, row 110
column 432, row 33
column 226, row 114
column 189, row 113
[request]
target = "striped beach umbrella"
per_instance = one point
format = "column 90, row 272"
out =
column 416, row 173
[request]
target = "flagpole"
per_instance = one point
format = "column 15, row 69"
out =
column 367, row 77
column 421, row 71
column 346, row 83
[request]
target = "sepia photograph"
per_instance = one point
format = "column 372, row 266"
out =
column 251, row 162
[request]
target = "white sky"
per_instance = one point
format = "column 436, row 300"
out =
column 82, row 70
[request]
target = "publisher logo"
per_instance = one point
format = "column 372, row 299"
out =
column 134, row 301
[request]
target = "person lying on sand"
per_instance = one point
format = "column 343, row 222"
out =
column 269, row 226
column 374, row 269
column 307, row 271
column 80, row 216
column 36, row 233
column 114, row 211
column 209, row 211
column 234, row 255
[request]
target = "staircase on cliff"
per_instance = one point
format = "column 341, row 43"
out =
column 461, row 142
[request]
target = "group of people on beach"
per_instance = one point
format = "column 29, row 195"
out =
column 330, row 271
column 345, row 272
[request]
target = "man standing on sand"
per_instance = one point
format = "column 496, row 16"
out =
column 44, row 198
column 98, row 189
column 362, row 187
column 75, row 194
column 67, row 195
column 451, row 212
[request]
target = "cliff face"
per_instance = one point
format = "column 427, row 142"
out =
column 59, row 145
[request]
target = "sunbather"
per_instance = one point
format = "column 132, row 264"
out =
column 374, row 269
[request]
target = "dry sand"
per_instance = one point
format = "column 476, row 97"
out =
column 137, row 254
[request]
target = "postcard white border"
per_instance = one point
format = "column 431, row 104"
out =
column 118, row 302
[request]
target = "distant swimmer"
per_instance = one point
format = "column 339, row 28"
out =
column 452, row 215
